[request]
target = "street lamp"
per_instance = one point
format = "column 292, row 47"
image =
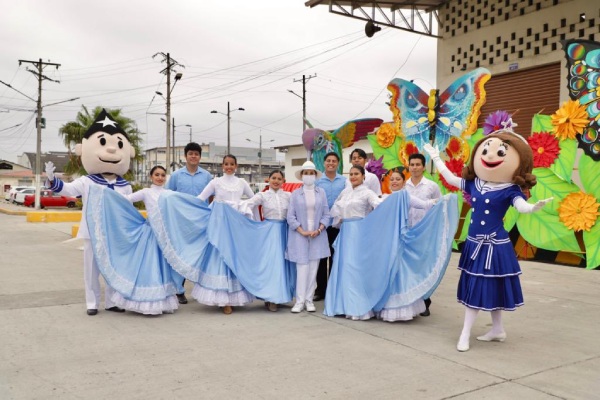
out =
column 260, row 177
column 229, row 111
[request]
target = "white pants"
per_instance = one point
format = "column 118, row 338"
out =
column 91, row 279
column 306, row 281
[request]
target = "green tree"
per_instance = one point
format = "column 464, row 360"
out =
column 72, row 133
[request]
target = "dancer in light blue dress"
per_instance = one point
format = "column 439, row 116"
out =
column 274, row 202
column 379, row 262
column 126, row 250
column 218, row 285
column 391, row 311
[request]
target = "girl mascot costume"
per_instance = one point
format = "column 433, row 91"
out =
column 500, row 168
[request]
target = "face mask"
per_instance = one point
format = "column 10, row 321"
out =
column 308, row 180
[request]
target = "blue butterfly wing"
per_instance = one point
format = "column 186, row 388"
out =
column 409, row 106
column 583, row 62
column 460, row 106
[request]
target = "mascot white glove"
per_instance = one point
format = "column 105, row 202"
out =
column 541, row 203
column 50, row 168
column 433, row 152
column 524, row 207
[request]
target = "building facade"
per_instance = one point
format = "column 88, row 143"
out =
column 519, row 41
column 251, row 167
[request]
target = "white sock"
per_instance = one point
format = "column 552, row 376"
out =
column 470, row 316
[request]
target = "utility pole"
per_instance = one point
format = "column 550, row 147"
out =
column 38, row 122
column 173, row 143
column 260, row 157
column 304, row 80
column 171, row 63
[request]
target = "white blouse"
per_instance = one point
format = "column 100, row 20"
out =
column 274, row 204
column 355, row 202
column 227, row 189
column 149, row 196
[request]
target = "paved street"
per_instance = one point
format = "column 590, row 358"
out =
column 50, row 349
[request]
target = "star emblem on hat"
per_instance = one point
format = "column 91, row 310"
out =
column 107, row 121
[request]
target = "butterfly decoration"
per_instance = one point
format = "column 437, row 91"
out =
column 583, row 63
column 318, row 142
column 435, row 118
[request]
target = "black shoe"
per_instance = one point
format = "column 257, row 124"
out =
column 181, row 298
column 318, row 297
column 92, row 311
column 114, row 309
column 426, row 313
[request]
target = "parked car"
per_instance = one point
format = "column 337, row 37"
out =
column 20, row 195
column 10, row 195
column 50, row 199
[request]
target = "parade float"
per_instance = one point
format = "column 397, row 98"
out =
column 566, row 148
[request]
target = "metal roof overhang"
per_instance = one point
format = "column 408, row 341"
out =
column 417, row 16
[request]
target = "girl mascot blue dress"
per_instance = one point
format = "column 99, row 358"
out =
column 500, row 168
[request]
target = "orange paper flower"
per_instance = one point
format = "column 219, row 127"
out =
column 570, row 119
column 386, row 135
column 578, row 211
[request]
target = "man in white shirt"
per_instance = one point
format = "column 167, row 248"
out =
column 424, row 189
column 359, row 157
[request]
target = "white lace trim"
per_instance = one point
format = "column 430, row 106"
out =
column 189, row 271
column 167, row 306
column 221, row 298
column 405, row 313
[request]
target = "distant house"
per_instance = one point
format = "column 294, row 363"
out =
column 22, row 173
column 59, row 158
column 13, row 174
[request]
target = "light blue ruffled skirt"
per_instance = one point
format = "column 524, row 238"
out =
column 128, row 255
column 382, row 266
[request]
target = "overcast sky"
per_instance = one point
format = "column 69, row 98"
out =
column 246, row 52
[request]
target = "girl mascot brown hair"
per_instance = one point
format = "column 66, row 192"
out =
column 499, row 171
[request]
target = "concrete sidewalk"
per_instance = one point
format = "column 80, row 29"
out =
column 50, row 348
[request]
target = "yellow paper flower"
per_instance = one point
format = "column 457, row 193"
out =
column 386, row 135
column 570, row 120
column 579, row 211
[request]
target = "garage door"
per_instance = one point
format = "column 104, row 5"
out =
column 524, row 93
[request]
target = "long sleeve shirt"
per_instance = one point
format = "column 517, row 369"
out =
column 355, row 202
column 274, row 204
column 185, row 182
column 149, row 196
column 424, row 190
column 227, row 189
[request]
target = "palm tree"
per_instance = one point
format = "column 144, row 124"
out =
column 73, row 131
